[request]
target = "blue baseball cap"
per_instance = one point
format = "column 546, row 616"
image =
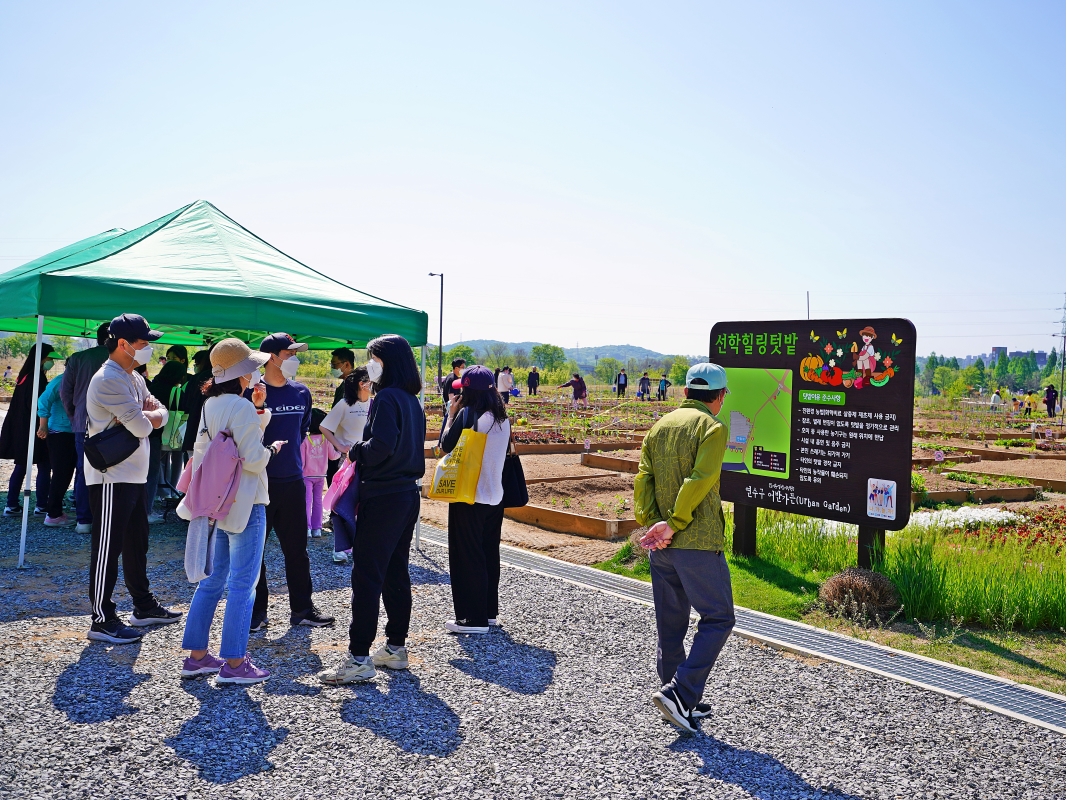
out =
column 706, row 376
column 132, row 327
column 476, row 377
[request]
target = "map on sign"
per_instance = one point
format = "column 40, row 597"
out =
column 758, row 412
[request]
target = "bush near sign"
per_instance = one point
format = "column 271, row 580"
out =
column 825, row 415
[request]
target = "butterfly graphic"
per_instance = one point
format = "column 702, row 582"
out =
column 842, row 334
column 896, row 339
column 814, row 338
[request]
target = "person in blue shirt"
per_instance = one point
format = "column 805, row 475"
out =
column 290, row 408
column 54, row 427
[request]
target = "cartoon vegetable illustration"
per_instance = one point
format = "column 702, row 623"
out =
column 810, row 367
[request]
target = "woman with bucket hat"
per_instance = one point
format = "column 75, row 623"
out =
column 236, row 558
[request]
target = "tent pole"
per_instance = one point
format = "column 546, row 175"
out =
column 422, row 402
column 29, row 446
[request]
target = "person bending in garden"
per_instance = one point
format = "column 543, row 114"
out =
column 578, row 390
column 676, row 494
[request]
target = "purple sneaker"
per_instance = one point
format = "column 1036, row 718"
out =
column 245, row 673
column 208, row 665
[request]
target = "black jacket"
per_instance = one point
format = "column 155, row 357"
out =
column 391, row 456
column 533, row 379
column 15, row 435
column 192, row 404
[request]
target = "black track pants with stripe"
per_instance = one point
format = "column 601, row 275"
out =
column 120, row 525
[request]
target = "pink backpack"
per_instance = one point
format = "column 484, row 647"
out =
column 210, row 489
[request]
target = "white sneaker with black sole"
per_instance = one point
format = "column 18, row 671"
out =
column 461, row 626
column 672, row 709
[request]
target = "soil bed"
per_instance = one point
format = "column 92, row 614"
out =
column 940, row 483
column 604, row 498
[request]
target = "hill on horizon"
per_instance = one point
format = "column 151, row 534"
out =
column 585, row 356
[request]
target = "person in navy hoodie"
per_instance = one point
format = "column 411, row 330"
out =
column 390, row 461
column 290, row 409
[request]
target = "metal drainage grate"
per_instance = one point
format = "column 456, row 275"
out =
column 1014, row 700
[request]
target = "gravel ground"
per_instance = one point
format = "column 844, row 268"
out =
column 556, row 705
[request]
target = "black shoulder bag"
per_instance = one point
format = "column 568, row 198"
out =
column 513, row 478
column 111, row 446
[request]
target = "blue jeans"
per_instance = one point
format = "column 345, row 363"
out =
column 81, row 491
column 235, row 568
column 18, row 477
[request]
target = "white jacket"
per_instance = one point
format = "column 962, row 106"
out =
column 236, row 414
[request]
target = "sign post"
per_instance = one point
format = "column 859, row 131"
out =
column 820, row 423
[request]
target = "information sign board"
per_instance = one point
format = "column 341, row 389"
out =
column 819, row 416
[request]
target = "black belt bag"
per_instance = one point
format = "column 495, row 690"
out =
column 111, row 446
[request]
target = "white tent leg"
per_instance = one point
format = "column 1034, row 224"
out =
column 33, row 439
column 422, row 402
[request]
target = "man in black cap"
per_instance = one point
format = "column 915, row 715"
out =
column 117, row 395
column 290, row 407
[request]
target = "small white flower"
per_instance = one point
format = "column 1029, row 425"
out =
column 839, row 352
column 832, row 363
column 878, row 356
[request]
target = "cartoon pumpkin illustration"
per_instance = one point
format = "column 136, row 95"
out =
column 810, row 368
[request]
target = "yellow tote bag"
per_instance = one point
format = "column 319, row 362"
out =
column 456, row 478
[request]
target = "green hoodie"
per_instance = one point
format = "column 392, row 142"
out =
column 681, row 461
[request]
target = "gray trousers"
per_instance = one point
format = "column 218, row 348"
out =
column 684, row 579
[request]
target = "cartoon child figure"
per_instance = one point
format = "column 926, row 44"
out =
column 866, row 362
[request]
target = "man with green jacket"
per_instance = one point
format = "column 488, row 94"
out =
column 676, row 494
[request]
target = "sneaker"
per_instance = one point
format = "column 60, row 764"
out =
column 312, row 617
column 208, row 665
column 316, row 533
column 38, row 511
column 10, row 511
column 340, row 557
column 113, row 632
column 62, row 521
column 672, row 709
column 461, row 626
column 387, row 656
column 245, row 673
column 700, row 710
column 309, row 533
column 154, row 616
column 494, row 622
column 84, row 527
column 349, row 670
column 155, row 519
column 258, row 624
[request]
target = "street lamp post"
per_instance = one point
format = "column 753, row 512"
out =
column 440, row 328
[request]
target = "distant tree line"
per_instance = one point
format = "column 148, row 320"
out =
column 941, row 375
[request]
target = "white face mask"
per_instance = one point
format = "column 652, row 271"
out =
column 336, row 373
column 254, row 379
column 374, row 371
column 144, row 355
column 289, row 368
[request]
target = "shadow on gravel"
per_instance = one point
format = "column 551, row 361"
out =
column 413, row 720
column 95, row 687
column 229, row 737
column 758, row 774
column 435, row 574
column 291, row 656
column 499, row 659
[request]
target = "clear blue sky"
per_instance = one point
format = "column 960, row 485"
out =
column 586, row 173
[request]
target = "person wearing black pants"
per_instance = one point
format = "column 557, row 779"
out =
column 290, row 419
column 474, row 564
column 390, row 460
column 120, row 526
column 62, row 457
column 287, row 517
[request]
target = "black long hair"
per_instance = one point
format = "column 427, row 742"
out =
column 351, row 383
column 398, row 363
column 481, row 400
column 212, row 389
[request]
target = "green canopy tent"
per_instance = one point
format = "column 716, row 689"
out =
column 199, row 277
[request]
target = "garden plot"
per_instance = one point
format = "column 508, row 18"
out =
column 1052, row 474
column 609, row 497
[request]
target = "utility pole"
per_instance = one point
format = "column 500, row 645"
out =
column 440, row 328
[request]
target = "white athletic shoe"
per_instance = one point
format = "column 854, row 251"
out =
column 461, row 626
column 385, row 656
column 349, row 670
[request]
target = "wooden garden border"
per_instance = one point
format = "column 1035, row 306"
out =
column 575, row 524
